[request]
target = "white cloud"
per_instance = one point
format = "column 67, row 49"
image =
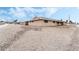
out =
column 5, row 18
column 27, row 12
column 3, row 12
column 50, row 11
column 22, row 12
column 17, row 12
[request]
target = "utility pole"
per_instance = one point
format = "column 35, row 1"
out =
column 69, row 19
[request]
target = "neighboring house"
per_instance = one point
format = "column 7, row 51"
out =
column 41, row 21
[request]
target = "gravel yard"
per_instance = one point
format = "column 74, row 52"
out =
column 9, row 34
column 21, row 38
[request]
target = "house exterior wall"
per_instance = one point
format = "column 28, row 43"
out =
column 42, row 23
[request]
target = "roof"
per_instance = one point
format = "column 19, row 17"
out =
column 43, row 18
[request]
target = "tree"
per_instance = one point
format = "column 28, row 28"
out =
column 15, row 20
column 66, row 21
column 26, row 23
column 70, row 22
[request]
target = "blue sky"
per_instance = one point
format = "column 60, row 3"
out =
column 27, row 13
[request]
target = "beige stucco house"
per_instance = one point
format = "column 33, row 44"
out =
column 41, row 21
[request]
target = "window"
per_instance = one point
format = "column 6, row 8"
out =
column 53, row 21
column 58, row 23
column 46, row 21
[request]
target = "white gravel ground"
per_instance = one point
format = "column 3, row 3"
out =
column 20, row 38
column 1, row 26
column 8, row 34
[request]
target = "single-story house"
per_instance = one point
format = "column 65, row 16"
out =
column 41, row 21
